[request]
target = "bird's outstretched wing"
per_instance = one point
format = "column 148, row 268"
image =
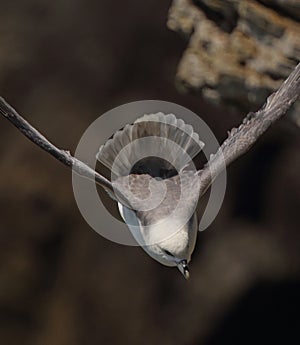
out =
column 253, row 126
column 238, row 142
column 62, row 155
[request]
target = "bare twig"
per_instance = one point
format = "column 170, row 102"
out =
column 253, row 126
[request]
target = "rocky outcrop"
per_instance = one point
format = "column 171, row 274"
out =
column 238, row 51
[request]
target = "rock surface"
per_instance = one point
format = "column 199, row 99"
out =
column 238, row 51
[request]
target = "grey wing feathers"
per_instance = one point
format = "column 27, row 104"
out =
column 253, row 126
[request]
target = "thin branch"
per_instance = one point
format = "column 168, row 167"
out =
column 253, row 126
column 63, row 156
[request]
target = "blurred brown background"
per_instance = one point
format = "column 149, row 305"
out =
column 64, row 63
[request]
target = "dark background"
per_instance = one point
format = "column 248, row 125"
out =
column 64, row 63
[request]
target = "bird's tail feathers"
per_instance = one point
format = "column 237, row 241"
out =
column 152, row 144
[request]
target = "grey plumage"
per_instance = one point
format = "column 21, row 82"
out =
column 150, row 162
column 167, row 127
column 239, row 141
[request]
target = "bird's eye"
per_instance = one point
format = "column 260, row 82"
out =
column 167, row 252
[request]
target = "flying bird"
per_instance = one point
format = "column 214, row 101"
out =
column 151, row 164
column 147, row 187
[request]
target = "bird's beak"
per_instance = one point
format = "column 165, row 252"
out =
column 184, row 269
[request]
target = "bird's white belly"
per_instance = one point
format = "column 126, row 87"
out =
column 132, row 222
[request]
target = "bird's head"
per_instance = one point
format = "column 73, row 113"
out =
column 171, row 259
column 176, row 250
